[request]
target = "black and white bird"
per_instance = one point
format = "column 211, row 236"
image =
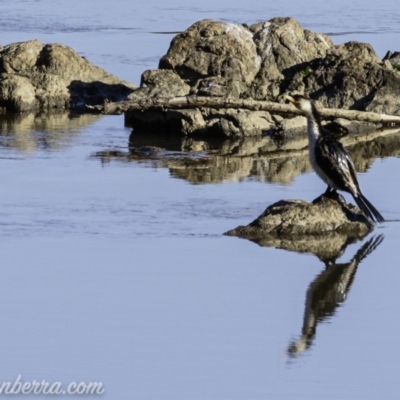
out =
column 329, row 158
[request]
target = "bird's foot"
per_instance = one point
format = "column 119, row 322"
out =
column 331, row 194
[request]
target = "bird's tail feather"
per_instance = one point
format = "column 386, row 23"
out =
column 368, row 209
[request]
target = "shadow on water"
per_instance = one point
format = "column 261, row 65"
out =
column 326, row 293
column 265, row 159
column 48, row 130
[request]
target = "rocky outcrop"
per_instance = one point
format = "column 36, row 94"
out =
column 293, row 218
column 221, row 59
column 320, row 227
column 224, row 59
column 35, row 76
column 261, row 62
column 215, row 59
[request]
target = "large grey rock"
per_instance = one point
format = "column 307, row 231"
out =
column 285, row 48
column 263, row 61
column 225, row 59
column 36, row 76
column 214, row 49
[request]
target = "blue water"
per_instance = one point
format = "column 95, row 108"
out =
column 119, row 273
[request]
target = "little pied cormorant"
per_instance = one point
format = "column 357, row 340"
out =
column 329, row 158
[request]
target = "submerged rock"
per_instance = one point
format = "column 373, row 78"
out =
column 322, row 227
column 35, row 76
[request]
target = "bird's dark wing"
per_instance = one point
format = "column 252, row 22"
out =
column 336, row 163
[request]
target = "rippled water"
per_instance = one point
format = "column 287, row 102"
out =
column 115, row 268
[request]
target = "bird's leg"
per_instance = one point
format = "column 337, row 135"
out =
column 330, row 192
column 333, row 194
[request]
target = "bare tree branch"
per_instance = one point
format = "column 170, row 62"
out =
column 191, row 102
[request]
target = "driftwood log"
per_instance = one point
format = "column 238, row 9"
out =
column 190, row 102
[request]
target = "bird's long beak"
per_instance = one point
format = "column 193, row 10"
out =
column 290, row 98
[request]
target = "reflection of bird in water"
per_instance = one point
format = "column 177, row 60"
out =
column 330, row 160
column 326, row 292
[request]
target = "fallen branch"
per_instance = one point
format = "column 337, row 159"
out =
column 191, row 102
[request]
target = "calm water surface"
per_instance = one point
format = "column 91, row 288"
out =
column 115, row 268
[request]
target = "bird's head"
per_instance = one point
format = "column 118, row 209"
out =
column 303, row 103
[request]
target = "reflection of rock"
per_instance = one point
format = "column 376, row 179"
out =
column 326, row 292
column 287, row 224
column 36, row 76
column 363, row 154
column 27, row 132
column 325, row 246
column 222, row 168
column 267, row 159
